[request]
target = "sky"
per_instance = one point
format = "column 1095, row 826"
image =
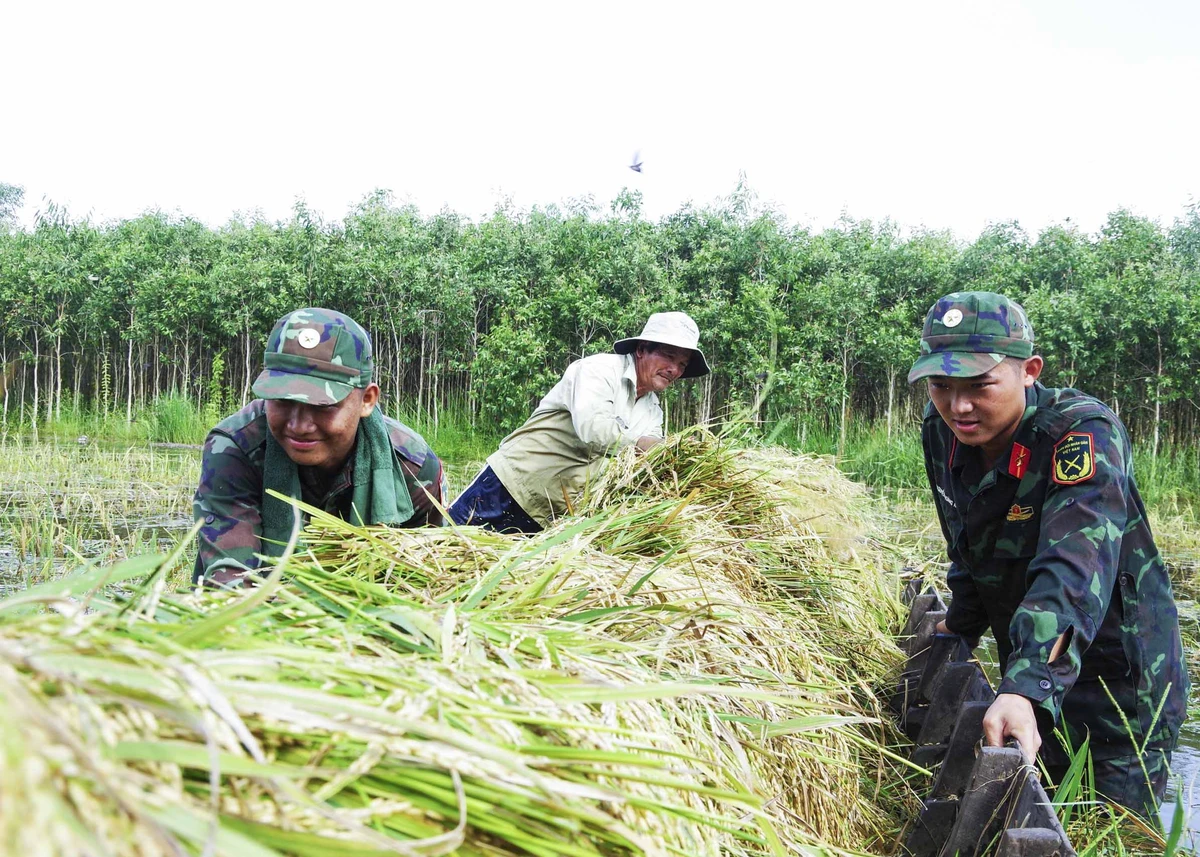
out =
column 938, row 115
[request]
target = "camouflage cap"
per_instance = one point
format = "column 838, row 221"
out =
column 970, row 333
column 315, row 356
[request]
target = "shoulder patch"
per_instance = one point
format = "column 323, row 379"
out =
column 1074, row 458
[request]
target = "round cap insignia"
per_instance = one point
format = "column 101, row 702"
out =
column 952, row 318
column 308, row 338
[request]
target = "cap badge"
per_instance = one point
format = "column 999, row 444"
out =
column 952, row 318
column 308, row 338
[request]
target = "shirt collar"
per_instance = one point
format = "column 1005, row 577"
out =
column 960, row 454
column 630, row 372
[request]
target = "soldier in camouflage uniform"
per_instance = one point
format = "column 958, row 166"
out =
column 314, row 434
column 1050, row 548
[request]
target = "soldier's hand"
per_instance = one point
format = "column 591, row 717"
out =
column 942, row 628
column 1011, row 716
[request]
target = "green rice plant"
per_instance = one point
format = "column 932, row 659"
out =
column 1096, row 827
column 61, row 501
column 457, row 690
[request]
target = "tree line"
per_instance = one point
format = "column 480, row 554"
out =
column 479, row 318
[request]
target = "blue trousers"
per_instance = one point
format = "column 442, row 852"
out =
column 487, row 503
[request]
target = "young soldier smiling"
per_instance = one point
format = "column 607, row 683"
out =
column 1049, row 547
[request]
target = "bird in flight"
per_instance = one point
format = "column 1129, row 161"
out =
column 636, row 166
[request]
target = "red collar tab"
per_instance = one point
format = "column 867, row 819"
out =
column 1018, row 462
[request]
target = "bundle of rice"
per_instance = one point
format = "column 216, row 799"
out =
column 428, row 692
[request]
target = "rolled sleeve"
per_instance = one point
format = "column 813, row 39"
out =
column 1071, row 578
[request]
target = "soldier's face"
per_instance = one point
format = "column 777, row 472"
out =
column 320, row 436
column 986, row 410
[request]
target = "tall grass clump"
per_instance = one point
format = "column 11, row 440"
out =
column 871, row 454
column 684, row 667
column 170, row 418
column 895, row 462
column 1170, row 481
column 174, row 418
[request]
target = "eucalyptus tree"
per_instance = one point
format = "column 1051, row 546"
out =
column 11, row 197
column 801, row 325
column 250, row 286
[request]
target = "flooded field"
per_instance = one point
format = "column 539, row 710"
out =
column 63, row 503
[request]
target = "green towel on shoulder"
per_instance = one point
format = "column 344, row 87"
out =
column 379, row 485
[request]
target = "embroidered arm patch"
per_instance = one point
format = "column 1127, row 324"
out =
column 1074, row 458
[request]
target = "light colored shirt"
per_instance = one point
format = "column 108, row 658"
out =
column 592, row 412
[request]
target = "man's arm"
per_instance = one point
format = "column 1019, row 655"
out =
column 593, row 407
column 966, row 616
column 1072, row 575
column 228, row 503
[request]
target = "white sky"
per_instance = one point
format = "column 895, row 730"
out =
column 942, row 114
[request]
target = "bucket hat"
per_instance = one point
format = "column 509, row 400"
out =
column 670, row 328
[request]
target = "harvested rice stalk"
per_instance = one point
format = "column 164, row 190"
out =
column 454, row 690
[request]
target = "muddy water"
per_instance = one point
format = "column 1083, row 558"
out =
column 1185, row 785
column 101, row 502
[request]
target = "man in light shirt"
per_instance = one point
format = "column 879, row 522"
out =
column 603, row 404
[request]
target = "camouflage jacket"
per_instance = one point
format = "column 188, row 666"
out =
column 230, row 494
column 1054, row 540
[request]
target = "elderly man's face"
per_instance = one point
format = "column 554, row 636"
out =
column 320, row 436
column 657, row 369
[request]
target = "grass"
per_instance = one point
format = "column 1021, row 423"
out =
column 453, row 689
column 1098, row 828
column 454, row 439
column 60, row 501
column 172, row 418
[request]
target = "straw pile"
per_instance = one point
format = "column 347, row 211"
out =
column 685, row 667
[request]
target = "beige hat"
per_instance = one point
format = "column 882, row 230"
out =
column 670, row 328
